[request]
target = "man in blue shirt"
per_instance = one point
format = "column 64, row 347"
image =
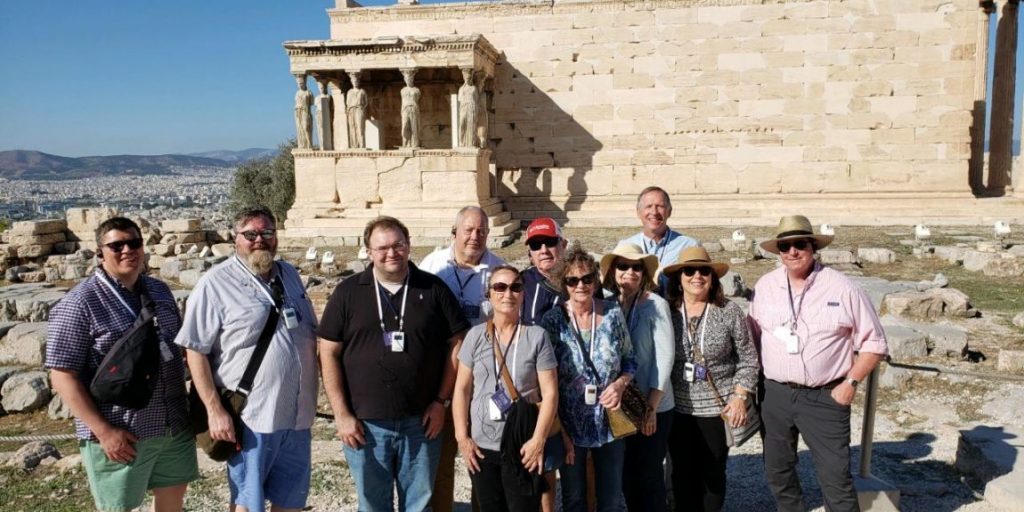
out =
column 653, row 208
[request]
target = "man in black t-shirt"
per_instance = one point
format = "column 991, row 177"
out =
column 389, row 336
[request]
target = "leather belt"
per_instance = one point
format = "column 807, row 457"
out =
column 829, row 385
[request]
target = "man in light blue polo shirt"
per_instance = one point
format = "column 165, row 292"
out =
column 653, row 208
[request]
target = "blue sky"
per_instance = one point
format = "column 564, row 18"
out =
column 88, row 77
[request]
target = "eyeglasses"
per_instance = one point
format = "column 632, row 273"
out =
column 635, row 267
column 118, row 246
column 799, row 244
column 690, row 271
column 587, row 280
column 537, row 243
column 398, row 247
column 266, row 234
column 516, row 287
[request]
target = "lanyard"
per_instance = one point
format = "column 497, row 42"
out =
column 513, row 343
column 533, row 305
column 380, row 312
column 795, row 311
column 663, row 244
column 103, row 278
column 703, row 328
column 263, row 287
column 631, row 319
column 593, row 324
column 462, row 285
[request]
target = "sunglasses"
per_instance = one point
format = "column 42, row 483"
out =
column 587, row 280
column 635, row 267
column 799, row 244
column 537, row 243
column 516, row 287
column 118, row 246
column 266, row 234
column 690, row 271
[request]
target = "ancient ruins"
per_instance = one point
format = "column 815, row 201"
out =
column 867, row 112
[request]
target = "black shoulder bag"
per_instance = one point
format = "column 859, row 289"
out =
column 234, row 401
column 128, row 373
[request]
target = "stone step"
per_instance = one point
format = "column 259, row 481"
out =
column 995, row 457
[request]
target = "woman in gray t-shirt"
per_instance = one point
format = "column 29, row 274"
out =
column 482, row 397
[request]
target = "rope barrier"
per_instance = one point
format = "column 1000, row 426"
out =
column 953, row 371
column 40, row 437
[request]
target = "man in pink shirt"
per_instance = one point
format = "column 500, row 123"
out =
column 819, row 337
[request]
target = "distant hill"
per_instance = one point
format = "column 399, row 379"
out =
column 235, row 157
column 36, row 165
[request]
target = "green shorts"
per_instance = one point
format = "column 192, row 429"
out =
column 165, row 461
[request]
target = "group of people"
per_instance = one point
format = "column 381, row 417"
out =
column 516, row 370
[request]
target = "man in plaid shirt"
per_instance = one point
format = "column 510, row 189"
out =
column 125, row 451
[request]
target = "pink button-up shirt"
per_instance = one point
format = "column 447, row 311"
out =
column 835, row 320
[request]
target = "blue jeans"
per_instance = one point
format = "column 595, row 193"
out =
column 396, row 452
column 608, row 461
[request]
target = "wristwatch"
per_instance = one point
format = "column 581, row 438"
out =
column 445, row 402
column 852, row 382
column 742, row 396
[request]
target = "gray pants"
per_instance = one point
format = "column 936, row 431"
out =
column 825, row 427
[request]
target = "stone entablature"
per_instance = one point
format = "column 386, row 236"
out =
column 454, row 51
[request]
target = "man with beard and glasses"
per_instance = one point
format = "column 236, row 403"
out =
column 465, row 267
column 125, row 451
column 226, row 312
column 653, row 208
column 390, row 336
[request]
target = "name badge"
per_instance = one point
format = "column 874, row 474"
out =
column 789, row 337
column 291, row 319
column 395, row 340
column 165, row 352
column 500, row 403
column 590, row 394
column 700, row 372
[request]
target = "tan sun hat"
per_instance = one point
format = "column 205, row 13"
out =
column 695, row 257
column 631, row 252
column 792, row 227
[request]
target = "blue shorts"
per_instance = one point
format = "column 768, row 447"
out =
column 554, row 453
column 271, row 467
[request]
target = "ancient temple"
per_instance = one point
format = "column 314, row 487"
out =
column 853, row 112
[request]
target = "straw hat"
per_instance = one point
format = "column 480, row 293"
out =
column 695, row 257
column 631, row 252
column 793, row 227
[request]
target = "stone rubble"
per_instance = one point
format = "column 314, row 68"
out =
column 33, row 454
column 25, row 392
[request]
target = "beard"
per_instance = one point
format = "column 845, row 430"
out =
column 260, row 261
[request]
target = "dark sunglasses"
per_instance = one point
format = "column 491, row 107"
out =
column 690, row 271
column 572, row 281
column 635, row 267
column 516, row 287
column 266, row 234
column 118, row 246
column 537, row 243
column 799, row 244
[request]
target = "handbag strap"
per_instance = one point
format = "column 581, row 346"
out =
column 513, row 393
column 579, row 342
column 277, row 291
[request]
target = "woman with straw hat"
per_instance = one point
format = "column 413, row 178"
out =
column 629, row 274
column 716, row 362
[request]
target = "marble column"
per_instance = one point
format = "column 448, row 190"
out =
column 339, row 121
column 323, row 116
column 1000, row 159
column 976, row 164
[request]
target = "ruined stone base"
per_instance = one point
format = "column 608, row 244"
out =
column 876, row 495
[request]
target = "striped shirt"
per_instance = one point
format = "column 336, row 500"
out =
column 225, row 314
column 87, row 322
column 835, row 318
column 729, row 355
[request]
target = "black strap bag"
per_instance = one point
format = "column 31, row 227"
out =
column 234, row 401
column 128, row 373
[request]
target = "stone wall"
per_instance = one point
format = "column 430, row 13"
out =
column 598, row 99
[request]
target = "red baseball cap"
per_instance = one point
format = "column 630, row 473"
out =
column 543, row 226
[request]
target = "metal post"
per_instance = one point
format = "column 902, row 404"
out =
column 867, row 433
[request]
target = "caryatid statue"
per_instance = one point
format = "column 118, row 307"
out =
column 323, row 116
column 469, row 100
column 410, row 110
column 303, row 122
column 356, row 103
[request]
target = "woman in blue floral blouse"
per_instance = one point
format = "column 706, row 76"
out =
column 587, row 328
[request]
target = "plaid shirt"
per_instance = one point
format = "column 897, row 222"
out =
column 87, row 322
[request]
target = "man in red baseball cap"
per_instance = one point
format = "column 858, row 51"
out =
column 544, row 245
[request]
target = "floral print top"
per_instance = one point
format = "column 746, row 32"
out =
column 612, row 355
